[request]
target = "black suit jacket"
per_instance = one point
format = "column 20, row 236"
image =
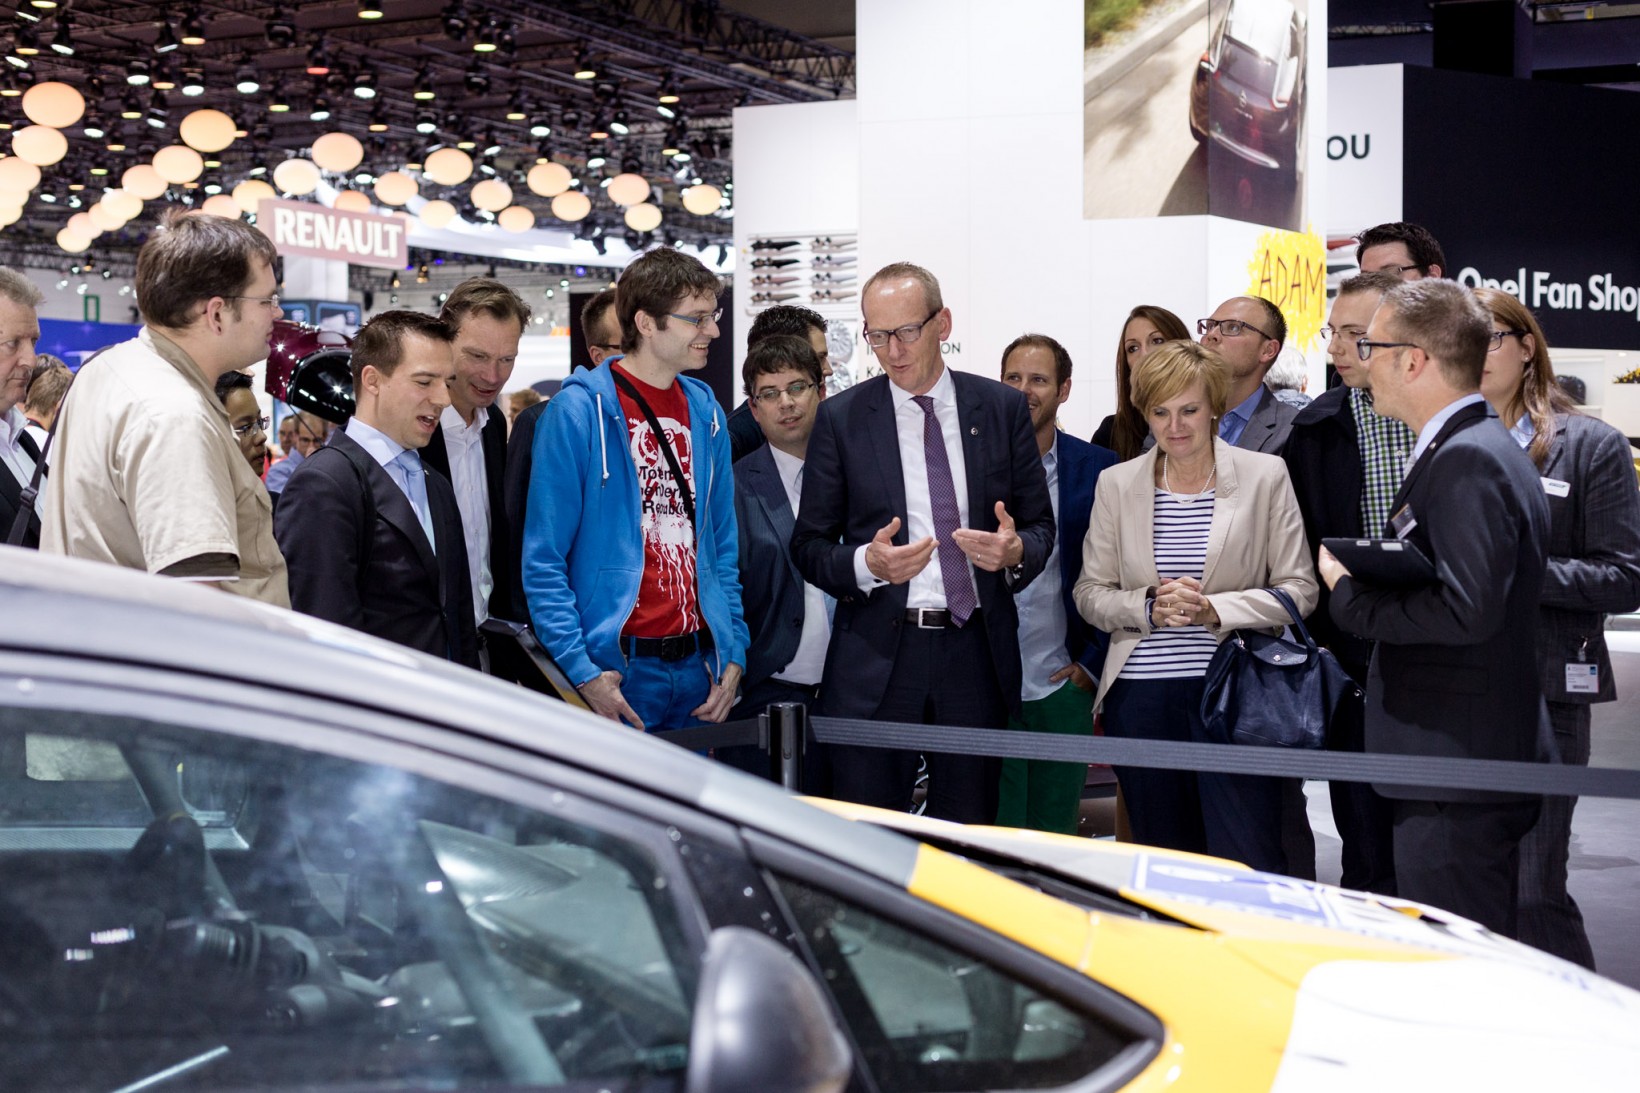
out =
column 1594, row 551
column 745, row 434
column 1455, row 670
column 11, row 497
column 503, row 559
column 771, row 589
column 1323, row 454
column 515, row 496
column 853, row 485
column 1267, row 429
column 401, row 591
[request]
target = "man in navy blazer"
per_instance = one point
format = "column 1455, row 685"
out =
column 924, row 511
column 789, row 619
column 1060, row 654
column 1454, row 671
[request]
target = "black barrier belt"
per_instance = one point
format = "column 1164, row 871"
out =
column 703, row 737
column 1546, row 779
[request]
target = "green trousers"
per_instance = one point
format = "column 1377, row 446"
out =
column 1038, row 793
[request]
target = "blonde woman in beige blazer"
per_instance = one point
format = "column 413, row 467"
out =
column 1183, row 541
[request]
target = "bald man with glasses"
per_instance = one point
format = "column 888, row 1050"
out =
column 1248, row 332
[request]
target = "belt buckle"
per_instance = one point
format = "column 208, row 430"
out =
column 922, row 617
column 676, row 647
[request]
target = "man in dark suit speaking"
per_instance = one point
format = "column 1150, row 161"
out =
column 373, row 539
column 1455, row 669
column 924, row 510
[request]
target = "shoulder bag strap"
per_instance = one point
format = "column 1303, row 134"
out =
column 29, row 495
column 1292, row 609
column 666, row 446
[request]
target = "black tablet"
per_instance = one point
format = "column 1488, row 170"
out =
column 1392, row 562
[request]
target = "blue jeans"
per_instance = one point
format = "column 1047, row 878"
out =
column 663, row 692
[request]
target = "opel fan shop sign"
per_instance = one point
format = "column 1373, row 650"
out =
column 313, row 231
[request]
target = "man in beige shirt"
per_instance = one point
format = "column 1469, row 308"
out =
column 146, row 472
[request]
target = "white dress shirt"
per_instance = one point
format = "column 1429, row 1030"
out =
column 1042, row 610
column 17, row 461
column 926, row 589
column 465, row 444
column 809, row 662
column 1433, row 426
column 384, row 450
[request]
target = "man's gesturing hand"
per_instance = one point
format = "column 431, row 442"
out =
column 603, row 694
column 992, row 550
column 897, row 564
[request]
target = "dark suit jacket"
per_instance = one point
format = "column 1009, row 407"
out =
column 503, row 559
column 853, row 485
column 515, row 495
column 1455, row 670
column 401, row 591
column 1079, row 467
column 1268, row 427
column 745, row 434
column 1594, row 551
column 11, row 497
column 771, row 589
column 1323, row 454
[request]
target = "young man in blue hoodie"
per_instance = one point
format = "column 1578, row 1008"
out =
column 630, row 558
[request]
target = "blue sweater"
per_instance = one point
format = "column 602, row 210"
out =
column 583, row 546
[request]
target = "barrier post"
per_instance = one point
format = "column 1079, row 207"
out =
column 787, row 722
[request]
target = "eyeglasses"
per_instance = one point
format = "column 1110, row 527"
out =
column 794, row 390
column 694, row 320
column 612, row 348
column 1365, row 346
column 268, row 301
column 1228, row 328
column 257, row 425
column 1496, row 341
column 1328, row 333
column 1398, row 271
column 908, row 334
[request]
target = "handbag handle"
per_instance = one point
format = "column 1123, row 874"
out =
column 1292, row 609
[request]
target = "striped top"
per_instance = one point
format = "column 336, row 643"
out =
column 1179, row 541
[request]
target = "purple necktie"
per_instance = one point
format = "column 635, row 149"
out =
column 942, row 497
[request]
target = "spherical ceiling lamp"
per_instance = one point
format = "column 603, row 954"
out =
column 82, row 224
column 516, row 218
column 122, row 203
column 296, row 176
column 105, row 217
column 207, row 130
column 448, row 167
column 338, row 152
column 179, row 163
column 250, row 194
column 18, row 176
column 142, row 181
column 643, row 218
column 571, row 205
column 10, row 215
column 41, row 145
column 53, row 103
column 492, row 195
column 12, row 205
column 221, row 205
column 548, row 179
column 628, row 189
column 72, row 243
column 703, row 200
column 395, row 188
column 437, row 214
column 352, row 201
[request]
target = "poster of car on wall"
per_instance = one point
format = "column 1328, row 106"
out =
column 1194, row 107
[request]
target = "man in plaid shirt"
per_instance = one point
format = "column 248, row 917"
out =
column 1346, row 463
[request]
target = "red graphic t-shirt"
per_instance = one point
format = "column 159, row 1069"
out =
column 667, row 602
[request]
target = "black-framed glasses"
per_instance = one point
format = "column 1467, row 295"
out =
column 606, row 347
column 696, row 320
column 266, row 301
column 795, row 391
column 1329, row 332
column 908, row 334
column 1229, row 328
column 255, row 425
column 1495, row 342
column 1399, row 271
column 1365, row 346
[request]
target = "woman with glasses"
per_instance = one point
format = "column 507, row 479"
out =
column 1148, row 327
column 250, row 428
column 1183, row 542
column 1594, row 569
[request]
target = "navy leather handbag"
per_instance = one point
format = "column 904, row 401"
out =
column 1274, row 692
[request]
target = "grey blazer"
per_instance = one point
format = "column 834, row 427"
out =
column 1594, row 551
column 1267, row 429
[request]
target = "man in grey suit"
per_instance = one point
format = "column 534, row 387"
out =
column 1248, row 332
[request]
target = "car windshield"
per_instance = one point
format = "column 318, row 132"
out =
column 1261, row 28
column 231, row 914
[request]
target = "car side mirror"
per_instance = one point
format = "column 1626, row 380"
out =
column 762, row 1024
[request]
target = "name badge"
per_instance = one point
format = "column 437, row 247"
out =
column 1554, row 487
column 1582, row 679
column 1403, row 522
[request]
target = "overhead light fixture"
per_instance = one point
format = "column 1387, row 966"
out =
column 193, row 28
column 488, row 33
column 619, row 125
column 378, row 119
column 364, row 84
column 164, row 78
column 455, row 21
column 426, row 124
column 246, row 81
column 599, row 130
column 137, row 73
column 278, row 101
column 166, row 40
column 318, row 59
column 492, row 146
column 281, row 29
column 131, row 109
column 667, row 111
column 596, row 160
column 540, row 126
column 584, row 68
column 26, row 42
column 93, row 128
column 62, row 41
column 668, row 92
column 370, row 9
column 193, row 82
column 320, row 110
column 157, row 109
column 516, row 110
column 477, row 78
column 423, row 90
